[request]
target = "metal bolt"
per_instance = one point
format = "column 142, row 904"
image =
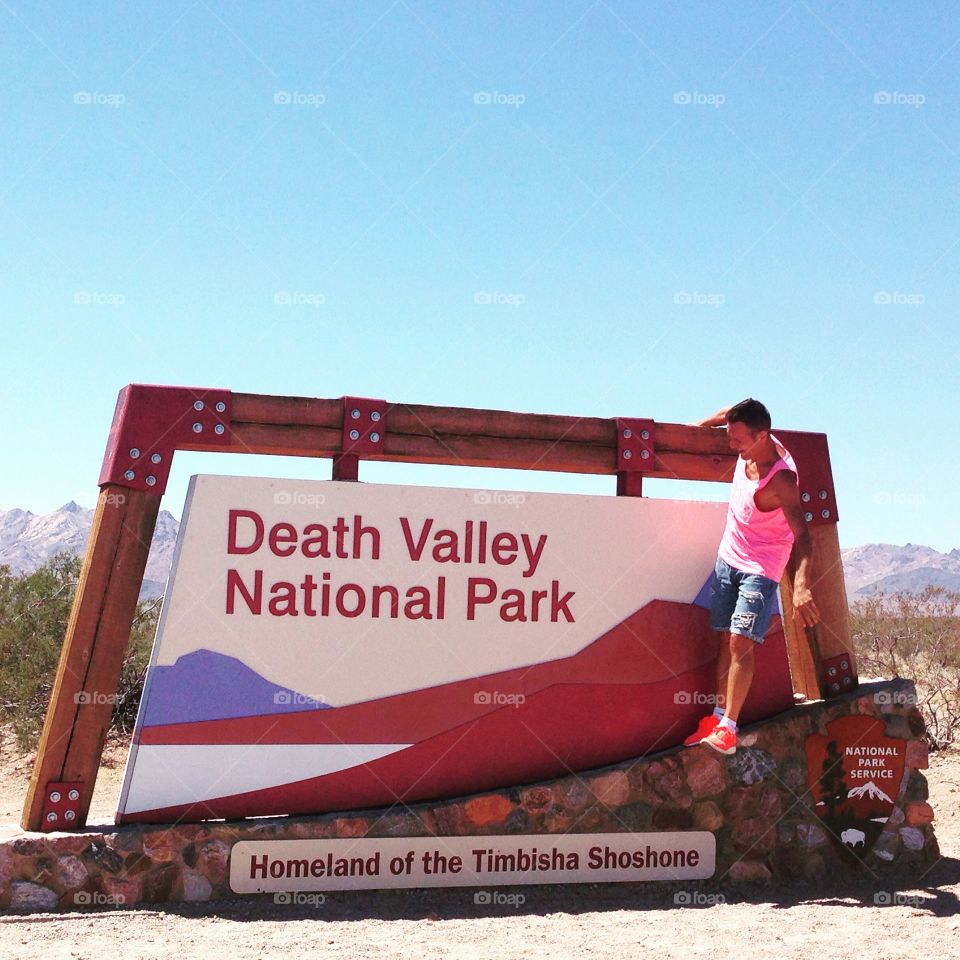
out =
column 51, row 817
column 218, row 429
column 354, row 434
column 835, row 687
column 221, row 406
column 74, row 794
column 628, row 433
column 134, row 453
column 374, row 436
column 825, row 514
column 55, row 796
column 375, row 416
column 805, row 497
column 644, row 454
column 355, row 413
column 645, row 434
column 70, row 815
column 197, row 404
column 808, row 516
column 832, row 671
column 844, row 665
column 151, row 480
column 198, row 427
column 627, row 454
column 155, row 458
column 847, row 681
column 823, row 494
column 128, row 475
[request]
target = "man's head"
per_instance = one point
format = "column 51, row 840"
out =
column 748, row 427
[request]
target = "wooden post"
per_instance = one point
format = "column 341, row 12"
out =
column 88, row 674
column 830, row 594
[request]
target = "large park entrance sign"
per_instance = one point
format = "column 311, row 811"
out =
column 334, row 645
column 327, row 645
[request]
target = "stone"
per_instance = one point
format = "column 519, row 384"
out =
column 573, row 793
column 897, row 726
column 196, row 887
column 918, row 755
column 918, row 726
column 536, row 800
column 917, row 788
column 123, row 890
column 349, row 827
column 750, row 765
column 793, row 775
column 814, row 866
column 896, row 817
column 667, row 817
column 706, row 775
column 213, row 859
column 517, row 822
column 931, row 848
column 634, row 817
column 158, row 885
column 918, row 814
column 754, row 835
column 749, row 871
column 611, row 789
column 487, row 809
column 666, row 776
column 886, row 845
column 707, row 816
column 162, row 846
column 72, row 871
column 912, row 838
column 25, row 895
column 811, row 835
column 105, row 857
column 558, row 820
column 786, row 833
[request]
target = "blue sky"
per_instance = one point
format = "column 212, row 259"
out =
column 670, row 206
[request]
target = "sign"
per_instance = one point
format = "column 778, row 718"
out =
column 854, row 773
column 332, row 645
column 262, row 866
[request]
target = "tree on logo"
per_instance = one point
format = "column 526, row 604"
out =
column 831, row 780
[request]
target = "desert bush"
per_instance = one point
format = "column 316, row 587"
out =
column 915, row 636
column 34, row 610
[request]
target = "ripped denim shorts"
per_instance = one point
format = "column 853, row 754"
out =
column 741, row 603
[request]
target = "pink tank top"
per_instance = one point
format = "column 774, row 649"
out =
column 754, row 540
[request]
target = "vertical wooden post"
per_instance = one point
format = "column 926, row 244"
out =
column 830, row 594
column 801, row 653
column 88, row 674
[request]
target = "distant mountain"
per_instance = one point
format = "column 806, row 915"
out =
column 886, row 568
column 28, row 540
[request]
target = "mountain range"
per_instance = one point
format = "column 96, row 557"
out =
column 27, row 540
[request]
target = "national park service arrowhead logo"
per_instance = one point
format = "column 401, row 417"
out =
column 854, row 775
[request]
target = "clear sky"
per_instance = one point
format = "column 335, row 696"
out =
column 593, row 208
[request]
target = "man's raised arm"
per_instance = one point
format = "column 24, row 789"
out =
column 716, row 420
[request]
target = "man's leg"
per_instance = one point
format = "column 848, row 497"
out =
column 723, row 669
column 740, row 656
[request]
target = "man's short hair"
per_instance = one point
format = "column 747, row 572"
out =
column 752, row 413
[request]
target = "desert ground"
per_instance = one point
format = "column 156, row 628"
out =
column 830, row 917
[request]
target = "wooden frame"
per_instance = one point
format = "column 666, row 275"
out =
column 152, row 422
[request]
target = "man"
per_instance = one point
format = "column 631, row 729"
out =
column 765, row 526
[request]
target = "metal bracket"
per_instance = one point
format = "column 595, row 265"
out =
column 61, row 805
column 151, row 422
column 364, row 433
column 810, row 453
column 838, row 674
column 635, row 454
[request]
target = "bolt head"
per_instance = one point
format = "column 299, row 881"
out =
column 128, row 475
column 628, row 433
column 74, row 794
column 218, row 429
column 375, row 416
column 645, row 434
column 55, row 796
column 644, row 454
column 70, row 815
column 374, row 436
column 627, row 454
column 354, row 434
column 197, row 404
column 825, row 514
column 198, row 427
column 808, row 516
column 805, row 497
column 51, row 817
column 355, row 413
column 151, row 481
column 823, row 494
column 221, row 406
column 134, row 453
column 155, row 458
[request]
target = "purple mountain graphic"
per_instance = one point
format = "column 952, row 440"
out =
column 204, row 685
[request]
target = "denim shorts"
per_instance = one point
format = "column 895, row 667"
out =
column 741, row 603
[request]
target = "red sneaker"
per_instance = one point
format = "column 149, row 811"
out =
column 705, row 727
column 723, row 740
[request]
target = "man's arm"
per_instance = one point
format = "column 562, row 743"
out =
column 784, row 486
column 716, row 420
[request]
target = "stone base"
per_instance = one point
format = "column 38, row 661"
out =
column 755, row 802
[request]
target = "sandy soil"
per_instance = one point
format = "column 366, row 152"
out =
column 830, row 918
